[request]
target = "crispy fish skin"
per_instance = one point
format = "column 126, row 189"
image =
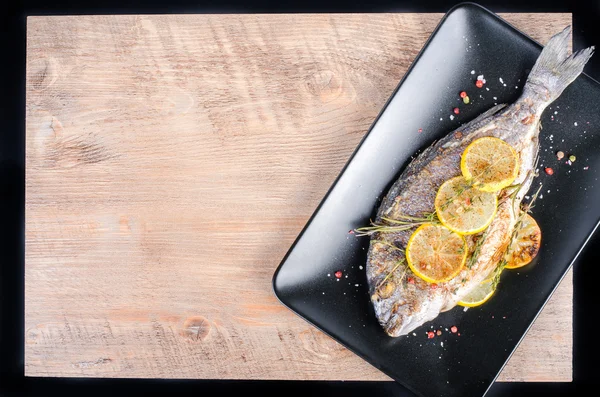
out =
column 402, row 301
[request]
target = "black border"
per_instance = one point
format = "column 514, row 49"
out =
column 586, row 365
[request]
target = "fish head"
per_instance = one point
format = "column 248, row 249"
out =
column 403, row 305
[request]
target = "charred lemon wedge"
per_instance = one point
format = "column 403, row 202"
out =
column 490, row 164
column 526, row 244
column 435, row 253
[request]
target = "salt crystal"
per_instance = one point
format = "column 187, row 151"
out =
column 555, row 112
column 360, row 267
column 472, row 72
column 495, row 98
column 441, row 119
column 442, row 344
column 480, row 77
column 575, row 124
column 487, row 89
column 501, row 81
column 465, row 309
column 451, row 117
column 328, row 274
column 356, row 285
column 414, row 334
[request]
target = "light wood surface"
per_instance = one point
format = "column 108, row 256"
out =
column 171, row 162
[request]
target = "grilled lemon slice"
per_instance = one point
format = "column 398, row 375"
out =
column 435, row 253
column 464, row 209
column 525, row 245
column 490, row 164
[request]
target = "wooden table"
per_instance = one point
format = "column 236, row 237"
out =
column 171, row 162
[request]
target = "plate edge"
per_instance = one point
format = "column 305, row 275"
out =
column 456, row 7
column 360, row 143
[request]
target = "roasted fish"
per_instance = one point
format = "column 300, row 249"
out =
column 402, row 301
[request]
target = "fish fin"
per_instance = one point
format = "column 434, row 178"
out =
column 554, row 70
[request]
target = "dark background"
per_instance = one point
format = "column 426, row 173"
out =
column 586, row 352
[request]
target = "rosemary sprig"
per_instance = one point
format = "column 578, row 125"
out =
column 468, row 185
column 498, row 271
column 526, row 209
column 401, row 261
column 396, row 225
column 475, row 254
column 428, row 216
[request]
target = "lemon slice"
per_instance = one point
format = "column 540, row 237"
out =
column 492, row 274
column 526, row 244
column 435, row 253
column 479, row 295
column 490, row 163
column 462, row 208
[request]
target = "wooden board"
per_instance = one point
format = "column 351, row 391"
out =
column 172, row 161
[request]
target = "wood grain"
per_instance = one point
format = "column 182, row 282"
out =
column 171, row 162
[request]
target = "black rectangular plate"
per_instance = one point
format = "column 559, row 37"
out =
column 469, row 38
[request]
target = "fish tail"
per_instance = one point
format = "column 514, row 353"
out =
column 554, row 70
